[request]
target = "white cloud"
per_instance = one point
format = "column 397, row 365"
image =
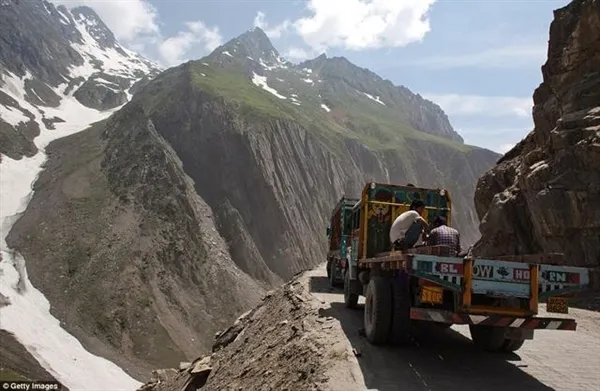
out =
column 491, row 106
column 274, row 32
column 210, row 37
column 515, row 56
column 362, row 24
column 499, row 140
column 172, row 49
column 135, row 25
column 126, row 19
column 491, row 132
column 296, row 54
column 505, row 148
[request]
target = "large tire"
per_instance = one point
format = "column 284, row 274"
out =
column 512, row 345
column 400, row 324
column 350, row 299
column 378, row 310
column 488, row 338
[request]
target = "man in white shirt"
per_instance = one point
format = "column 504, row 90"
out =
column 407, row 229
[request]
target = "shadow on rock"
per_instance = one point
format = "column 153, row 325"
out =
column 320, row 284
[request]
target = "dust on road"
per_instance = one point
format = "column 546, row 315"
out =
column 447, row 360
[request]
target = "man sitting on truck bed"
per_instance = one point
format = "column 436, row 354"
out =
column 407, row 229
column 443, row 235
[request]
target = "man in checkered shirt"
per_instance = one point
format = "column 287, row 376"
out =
column 443, row 235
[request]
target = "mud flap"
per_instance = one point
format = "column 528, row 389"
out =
column 350, row 291
column 401, row 323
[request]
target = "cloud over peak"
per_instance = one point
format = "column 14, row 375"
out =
column 174, row 48
column 126, row 19
column 361, row 24
column 356, row 24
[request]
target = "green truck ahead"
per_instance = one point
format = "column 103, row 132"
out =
column 497, row 297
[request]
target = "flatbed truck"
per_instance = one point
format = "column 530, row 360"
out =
column 498, row 298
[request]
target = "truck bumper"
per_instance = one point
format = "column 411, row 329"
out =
column 531, row 323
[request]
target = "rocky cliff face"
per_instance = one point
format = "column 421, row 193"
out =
column 544, row 195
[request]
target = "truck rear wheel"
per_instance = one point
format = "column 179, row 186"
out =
column 350, row 298
column 512, row 345
column 333, row 272
column 488, row 338
column 378, row 310
column 400, row 324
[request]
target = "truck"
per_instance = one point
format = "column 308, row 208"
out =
column 338, row 234
column 497, row 297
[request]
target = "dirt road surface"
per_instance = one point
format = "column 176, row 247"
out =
column 447, row 360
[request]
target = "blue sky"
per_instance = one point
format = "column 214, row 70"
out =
column 479, row 60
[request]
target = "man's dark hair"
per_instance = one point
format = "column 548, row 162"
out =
column 439, row 221
column 416, row 204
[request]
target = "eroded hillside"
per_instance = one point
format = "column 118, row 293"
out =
column 129, row 257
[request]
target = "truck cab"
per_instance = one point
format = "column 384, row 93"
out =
column 338, row 234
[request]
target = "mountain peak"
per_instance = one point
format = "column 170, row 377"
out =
column 252, row 45
column 257, row 44
column 94, row 26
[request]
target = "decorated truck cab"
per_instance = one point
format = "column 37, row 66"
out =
column 338, row 234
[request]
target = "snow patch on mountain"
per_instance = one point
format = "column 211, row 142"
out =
column 376, row 99
column 28, row 314
column 261, row 81
column 12, row 116
column 107, row 68
column 114, row 60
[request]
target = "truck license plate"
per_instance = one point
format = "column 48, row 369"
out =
column 558, row 305
column 432, row 294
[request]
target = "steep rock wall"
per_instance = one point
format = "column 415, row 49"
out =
column 544, row 195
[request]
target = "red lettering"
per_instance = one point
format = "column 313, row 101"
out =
column 574, row 278
column 521, row 274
